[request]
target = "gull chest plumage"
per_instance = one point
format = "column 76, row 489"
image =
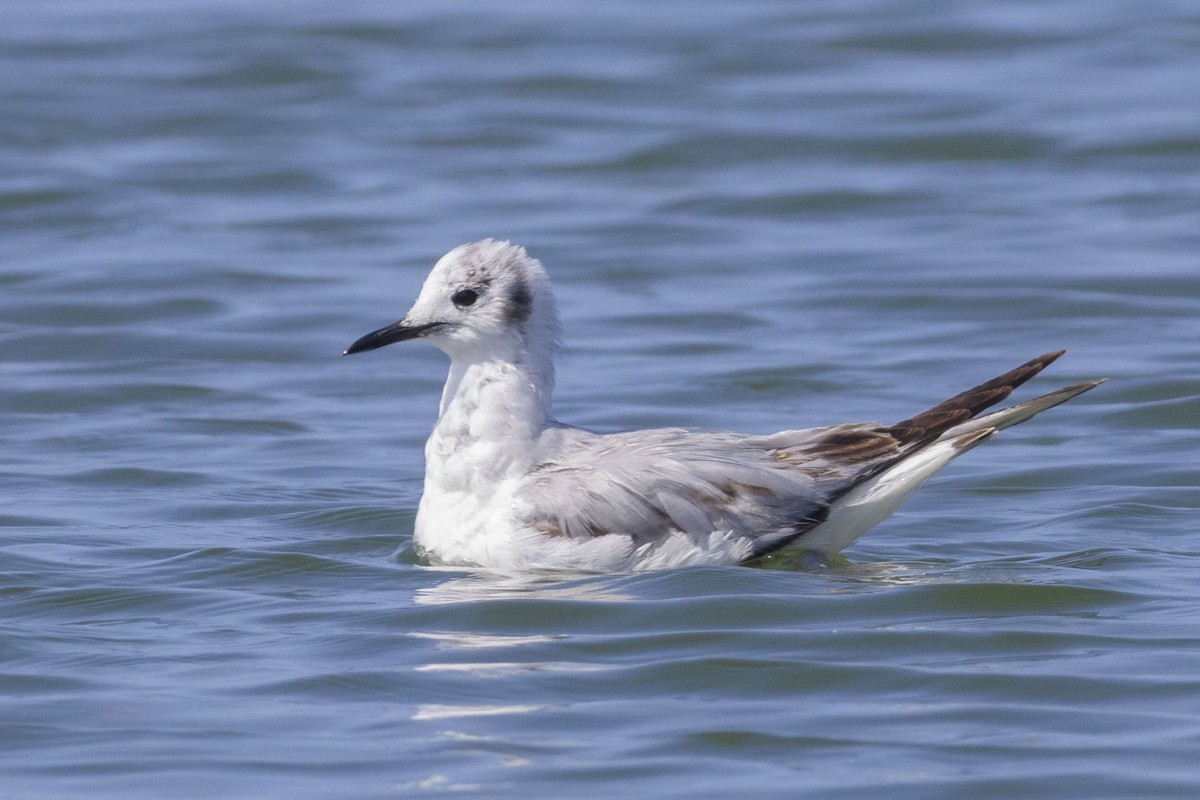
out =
column 484, row 442
column 507, row 486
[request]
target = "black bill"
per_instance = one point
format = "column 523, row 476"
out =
column 397, row 332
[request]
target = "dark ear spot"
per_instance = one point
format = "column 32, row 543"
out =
column 520, row 303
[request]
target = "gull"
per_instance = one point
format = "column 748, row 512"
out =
column 508, row 487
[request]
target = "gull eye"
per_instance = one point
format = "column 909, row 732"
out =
column 464, row 297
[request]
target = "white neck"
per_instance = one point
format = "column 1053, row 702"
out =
column 493, row 410
column 521, row 370
column 510, row 392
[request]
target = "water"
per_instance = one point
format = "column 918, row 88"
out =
column 758, row 215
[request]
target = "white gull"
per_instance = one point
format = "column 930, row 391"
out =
column 509, row 487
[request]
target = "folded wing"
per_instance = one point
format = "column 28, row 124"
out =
column 760, row 492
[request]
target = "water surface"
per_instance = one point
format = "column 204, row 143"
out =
column 758, row 215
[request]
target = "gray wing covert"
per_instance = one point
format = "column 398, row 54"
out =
column 648, row 484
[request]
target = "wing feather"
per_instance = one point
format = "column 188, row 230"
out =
column 663, row 483
column 765, row 491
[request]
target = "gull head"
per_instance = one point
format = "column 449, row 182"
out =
column 484, row 300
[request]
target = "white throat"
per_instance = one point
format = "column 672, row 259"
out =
column 502, row 397
column 492, row 412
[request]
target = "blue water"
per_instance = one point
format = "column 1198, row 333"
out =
column 758, row 215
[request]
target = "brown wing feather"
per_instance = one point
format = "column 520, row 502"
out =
column 863, row 443
column 878, row 448
column 931, row 424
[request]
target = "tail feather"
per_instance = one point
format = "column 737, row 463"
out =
column 1014, row 415
column 935, row 437
column 871, row 502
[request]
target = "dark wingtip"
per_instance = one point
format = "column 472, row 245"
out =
column 939, row 419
